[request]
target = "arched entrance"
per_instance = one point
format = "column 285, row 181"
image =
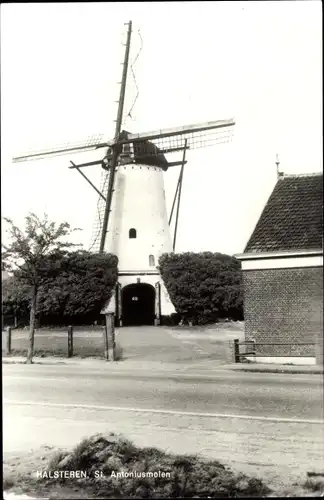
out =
column 138, row 304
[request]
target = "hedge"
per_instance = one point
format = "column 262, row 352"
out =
column 203, row 287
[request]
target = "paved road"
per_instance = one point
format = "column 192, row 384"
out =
column 258, row 422
column 261, row 394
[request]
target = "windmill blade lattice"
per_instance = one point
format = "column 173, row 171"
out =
column 100, row 210
column 173, row 140
column 93, row 142
column 195, row 140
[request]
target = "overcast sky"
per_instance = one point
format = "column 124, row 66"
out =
column 259, row 62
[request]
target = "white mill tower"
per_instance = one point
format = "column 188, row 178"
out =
column 132, row 218
column 138, row 232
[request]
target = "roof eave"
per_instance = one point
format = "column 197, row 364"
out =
column 278, row 254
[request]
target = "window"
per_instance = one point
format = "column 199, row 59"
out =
column 151, row 260
column 132, row 233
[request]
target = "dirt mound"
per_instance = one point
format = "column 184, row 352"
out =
column 113, row 467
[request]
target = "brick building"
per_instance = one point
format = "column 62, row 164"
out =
column 282, row 268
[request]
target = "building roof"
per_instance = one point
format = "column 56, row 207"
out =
column 292, row 218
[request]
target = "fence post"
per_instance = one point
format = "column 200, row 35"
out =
column 236, row 351
column 113, row 337
column 105, row 338
column 9, row 340
column 70, row 341
column 110, row 329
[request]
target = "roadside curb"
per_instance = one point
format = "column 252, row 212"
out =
column 279, row 369
column 160, row 368
column 299, row 372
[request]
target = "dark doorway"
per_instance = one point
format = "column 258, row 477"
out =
column 138, row 304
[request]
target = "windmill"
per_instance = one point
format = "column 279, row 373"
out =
column 132, row 216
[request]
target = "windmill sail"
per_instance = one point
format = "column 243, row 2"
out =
column 182, row 131
column 167, row 140
column 93, row 142
column 170, row 140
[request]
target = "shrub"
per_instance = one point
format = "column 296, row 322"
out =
column 204, row 287
column 15, row 301
column 75, row 295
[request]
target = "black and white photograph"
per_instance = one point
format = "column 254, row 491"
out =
column 162, row 249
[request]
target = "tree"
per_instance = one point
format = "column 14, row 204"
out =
column 80, row 291
column 203, row 286
column 15, row 299
column 34, row 255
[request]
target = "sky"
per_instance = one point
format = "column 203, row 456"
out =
column 258, row 62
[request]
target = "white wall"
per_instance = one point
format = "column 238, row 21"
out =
column 282, row 262
column 139, row 203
